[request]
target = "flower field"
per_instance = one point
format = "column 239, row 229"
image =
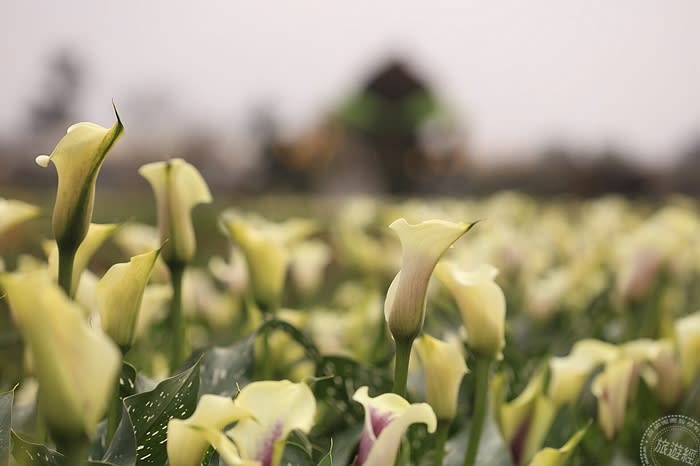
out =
column 501, row 331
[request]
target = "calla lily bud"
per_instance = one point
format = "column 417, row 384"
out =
column 15, row 212
column 387, row 417
column 76, row 366
column 559, row 456
column 178, row 188
column 187, row 442
column 482, row 305
column 688, row 341
column 119, row 296
column 78, row 158
column 266, row 246
column 443, row 367
column 96, row 236
column 422, row 246
column 612, row 389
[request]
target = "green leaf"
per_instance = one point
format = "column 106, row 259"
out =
column 327, row 459
column 27, row 453
column 492, row 450
column 127, row 380
column 310, row 348
column 6, row 400
column 344, row 444
column 224, row 370
column 297, row 450
column 148, row 414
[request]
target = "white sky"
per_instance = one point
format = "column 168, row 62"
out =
column 522, row 74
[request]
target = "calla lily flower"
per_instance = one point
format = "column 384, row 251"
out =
column 14, row 212
column 612, row 389
column 119, row 295
column 277, row 408
column 688, row 341
column 78, row 158
column 76, row 366
column 443, row 369
column 525, row 421
column 387, row 417
column 482, row 305
column 568, row 375
column 267, row 249
column 187, row 442
column 661, row 369
column 559, row 456
column 422, row 246
column 308, row 264
column 178, row 188
column 96, row 236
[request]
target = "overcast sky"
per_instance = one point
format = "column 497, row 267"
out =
column 521, row 74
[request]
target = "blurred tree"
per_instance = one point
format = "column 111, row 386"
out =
column 60, row 91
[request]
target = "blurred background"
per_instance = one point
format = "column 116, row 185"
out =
column 404, row 97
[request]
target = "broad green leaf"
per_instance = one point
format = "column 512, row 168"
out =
column 6, row 400
column 127, row 380
column 148, row 414
column 224, row 370
column 492, row 450
column 27, row 453
column 344, row 444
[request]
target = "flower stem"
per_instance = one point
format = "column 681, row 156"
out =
column 403, row 355
column 176, row 325
column 66, row 258
column 75, row 451
column 114, row 414
column 443, row 428
column 481, row 372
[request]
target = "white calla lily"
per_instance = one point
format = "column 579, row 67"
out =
column 482, row 306
column 76, row 366
column 443, row 369
column 178, row 188
column 423, row 244
column 78, row 158
column 688, row 342
column 188, row 439
column 559, row 456
column 14, row 212
column 387, row 417
column 119, row 294
column 612, row 389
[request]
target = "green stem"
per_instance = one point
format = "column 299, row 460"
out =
column 443, row 428
column 403, row 355
column 75, row 451
column 114, row 414
column 481, row 372
column 176, row 325
column 65, row 270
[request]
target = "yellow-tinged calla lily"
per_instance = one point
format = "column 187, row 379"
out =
column 178, row 188
column 481, row 303
column 187, row 441
column 596, row 350
column 267, row 248
column 688, row 341
column 95, row 238
column 75, row 365
column 277, row 408
column 612, row 389
column 660, row 367
column 443, row 369
column 308, row 264
column 119, row 295
column 525, row 421
column 422, row 246
column 559, row 456
column 567, row 376
column 78, row 158
column 14, row 212
column 387, row 417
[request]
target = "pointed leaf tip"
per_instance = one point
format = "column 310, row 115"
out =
column 42, row 160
